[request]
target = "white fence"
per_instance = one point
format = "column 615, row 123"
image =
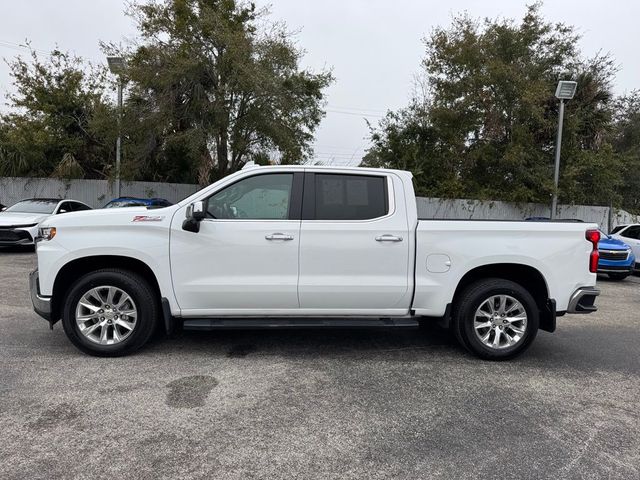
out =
column 98, row 192
column 494, row 210
column 92, row 192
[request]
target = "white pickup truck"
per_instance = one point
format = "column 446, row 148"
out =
column 308, row 246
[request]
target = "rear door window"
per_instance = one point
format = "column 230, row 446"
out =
column 78, row 207
column 349, row 197
column 632, row 232
column 65, row 207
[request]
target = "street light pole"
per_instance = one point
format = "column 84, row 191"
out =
column 565, row 91
column 556, row 175
column 117, row 65
column 119, row 139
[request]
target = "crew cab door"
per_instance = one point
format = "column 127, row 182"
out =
column 354, row 245
column 244, row 258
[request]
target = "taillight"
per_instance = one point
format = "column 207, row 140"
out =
column 594, row 237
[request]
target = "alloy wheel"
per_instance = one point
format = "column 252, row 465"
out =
column 106, row 315
column 500, row 321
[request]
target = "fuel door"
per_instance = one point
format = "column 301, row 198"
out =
column 438, row 263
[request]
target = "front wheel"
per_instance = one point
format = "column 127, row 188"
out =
column 110, row 312
column 495, row 319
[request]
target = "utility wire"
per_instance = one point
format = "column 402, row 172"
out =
column 357, row 114
column 20, row 47
column 342, row 155
column 371, row 110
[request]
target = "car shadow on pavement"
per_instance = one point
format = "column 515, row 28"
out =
column 313, row 341
column 573, row 348
column 633, row 278
column 23, row 249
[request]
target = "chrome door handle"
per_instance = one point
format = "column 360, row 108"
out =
column 388, row 238
column 279, row 236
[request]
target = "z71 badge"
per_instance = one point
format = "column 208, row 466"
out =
column 148, row 218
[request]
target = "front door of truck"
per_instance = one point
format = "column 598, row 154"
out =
column 244, row 259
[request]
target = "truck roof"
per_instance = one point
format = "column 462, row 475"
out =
column 251, row 165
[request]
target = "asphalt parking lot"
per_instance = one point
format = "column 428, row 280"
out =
column 343, row 404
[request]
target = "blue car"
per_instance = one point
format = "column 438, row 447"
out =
column 138, row 202
column 616, row 258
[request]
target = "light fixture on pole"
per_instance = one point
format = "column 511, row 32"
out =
column 116, row 65
column 565, row 91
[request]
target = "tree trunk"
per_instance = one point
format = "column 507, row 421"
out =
column 205, row 168
column 222, row 154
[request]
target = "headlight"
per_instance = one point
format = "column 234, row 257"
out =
column 46, row 233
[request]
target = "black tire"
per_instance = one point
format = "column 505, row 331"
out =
column 618, row 276
column 137, row 287
column 470, row 299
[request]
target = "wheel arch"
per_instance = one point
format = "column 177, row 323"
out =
column 530, row 278
column 73, row 270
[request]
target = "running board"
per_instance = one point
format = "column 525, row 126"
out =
column 257, row 323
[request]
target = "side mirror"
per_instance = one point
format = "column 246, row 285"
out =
column 196, row 211
column 194, row 214
column 62, row 210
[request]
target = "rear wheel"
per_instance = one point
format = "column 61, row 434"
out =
column 496, row 319
column 618, row 276
column 110, row 312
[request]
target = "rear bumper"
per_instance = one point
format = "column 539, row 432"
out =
column 41, row 305
column 583, row 300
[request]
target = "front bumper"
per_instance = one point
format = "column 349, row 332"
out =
column 41, row 305
column 11, row 238
column 583, row 300
column 615, row 268
column 610, row 261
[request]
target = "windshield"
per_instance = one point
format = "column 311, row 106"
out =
column 34, row 206
column 617, row 229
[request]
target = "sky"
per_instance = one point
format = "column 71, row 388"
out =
column 373, row 47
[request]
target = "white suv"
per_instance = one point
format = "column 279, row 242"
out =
column 629, row 234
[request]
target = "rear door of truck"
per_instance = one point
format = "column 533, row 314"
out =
column 354, row 244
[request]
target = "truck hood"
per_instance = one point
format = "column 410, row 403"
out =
column 610, row 243
column 112, row 216
column 10, row 219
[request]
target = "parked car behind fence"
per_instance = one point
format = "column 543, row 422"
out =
column 138, row 202
column 616, row 257
column 630, row 234
column 19, row 223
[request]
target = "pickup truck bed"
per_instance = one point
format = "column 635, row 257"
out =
column 449, row 250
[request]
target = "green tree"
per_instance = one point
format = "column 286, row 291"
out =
column 626, row 142
column 49, row 128
column 407, row 140
column 211, row 87
column 488, row 119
